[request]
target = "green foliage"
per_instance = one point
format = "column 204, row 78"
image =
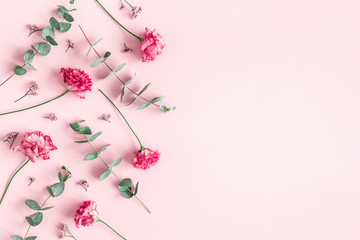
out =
column 31, row 238
column 51, row 41
column 103, row 149
column 95, row 136
column 32, row 204
column 43, row 48
column 48, row 31
column 125, row 85
column 19, row 70
column 91, row 156
column 56, row 189
column 64, row 27
column 16, row 237
column 93, row 46
column 86, row 130
column 54, row 23
column 105, row 175
column 141, row 92
column 35, row 219
column 75, row 126
column 68, row 17
column 97, row 62
column 118, row 68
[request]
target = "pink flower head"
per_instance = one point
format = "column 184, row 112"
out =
column 36, row 144
column 87, row 214
column 152, row 45
column 76, row 81
column 145, row 158
column 135, row 12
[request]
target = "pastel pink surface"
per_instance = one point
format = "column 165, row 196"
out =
column 264, row 141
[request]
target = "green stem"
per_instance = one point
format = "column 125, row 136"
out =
column 36, row 105
column 132, row 8
column 108, row 167
column 140, row 39
column 141, row 146
column 7, row 187
column 99, row 220
column 42, row 205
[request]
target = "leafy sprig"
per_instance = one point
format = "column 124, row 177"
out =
column 125, row 185
column 35, row 219
column 48, row 35
column 158, row 101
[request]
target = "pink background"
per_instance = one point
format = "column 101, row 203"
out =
column 264, row 141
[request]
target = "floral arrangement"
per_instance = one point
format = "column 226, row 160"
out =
column 36, row 145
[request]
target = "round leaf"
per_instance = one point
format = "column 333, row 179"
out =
column 48, row 31
column 64, row 27
column 61, row 10
column 51, row 41
column 54, row 23
column 29, row 56
column 68, row 17
column 32, row 204
column 19, row 70
column 43, row 48
column 35, row 219
column 57, row 189
column 126, row 194
column 86, row 130
column 75, row 126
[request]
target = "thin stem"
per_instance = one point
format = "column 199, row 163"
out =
column 24, row 109
column 141, row 146
column 7, row 187
column 23, row 96
column 108, row 167
column 99, row 220
column 42, row 205
column 140, row 39
column 132, row 8
column 107, row 65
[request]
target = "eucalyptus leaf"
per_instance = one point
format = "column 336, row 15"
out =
column 157, row 99
column 43, row 48
column 16, row 237
column 56, row 189
column 91, row 156
column 60, row 176
column 103, row 149
column 46, row 208
column 86, row 130
column 61, row 10
column 54, row 23
column 31, row 238
column 97, row 62
column 93, row 46
column 35, row 219
column 80, row 121
column 19, row 70
column 166, row 109
column 64, row 27
column 125, row 85
column 30, row 66
column 107, row 55
column 125, row 184
column 71, row 2
column 48, row 31
column 144, row 105
column 115, row 163
column 118, row 68
column 29, row 56
column 75, row 126
column 141, row 92
column 126, row 194
column 51, row 41
column 104, row 175
column 81, row 141
column 68, row 17
column 136, row 188
column 32, row 204
column 95, row 136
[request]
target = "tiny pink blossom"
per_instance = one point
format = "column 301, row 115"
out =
column 135, row 12
column 105, row 117
column 84, row 184
column 10, row 138
column 51, row 116
column 87, row 214
column 36, row 145
column 145, row 158
column 76, row 81
column 152, row 45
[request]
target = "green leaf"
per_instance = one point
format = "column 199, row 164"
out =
column 64, row 27
column 91, row 156
column 93, row 46
column 141, row 92
column 118, row 68
column 81, row 141
column 19, row 70
column 71, row 2
column 16, row 237
column 68, row 17
column 95, row 136
column 32, row 204
column 61, row 10
column 126, row 194
column 166, row 109
column 30, row 66
column 54, row 23
column 104, row 175
column 29, row 56
column 157, row 99
column 75, row 126
column 86, row 130
column 51, row 41
column 46, row 208
column 80, row 121
column 144, row 105
column 56, row 189
column 48, row 31
column 97, row 62
column 60, row 176
column 123, row 89
column 107, row 55
column 31, row 238
column 125, row 184
column 43, row 48
column 115, row 163
column 103, row 149
column 35, row 219
column 136, row 188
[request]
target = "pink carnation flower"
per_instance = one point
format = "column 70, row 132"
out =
column 87, row 214
column 152, row 45
column 36, row 144
column 145, row 158
column 76, row 81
